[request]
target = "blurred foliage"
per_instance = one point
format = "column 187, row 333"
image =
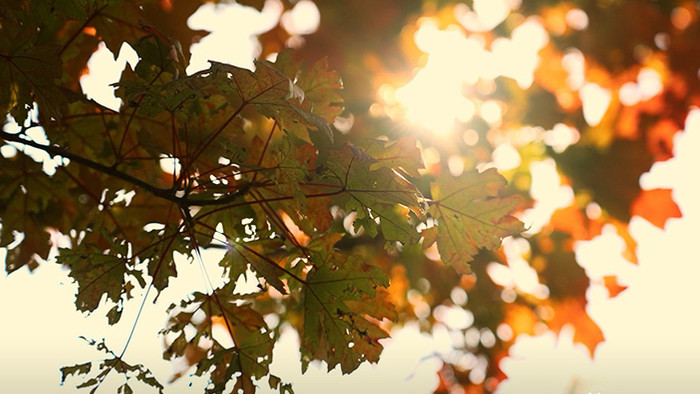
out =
column 378, row 50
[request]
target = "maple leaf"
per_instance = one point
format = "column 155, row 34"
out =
column 116, row 22
column 256, row 171
column 560, row 271
column 252, row 351
column 272, row 94
column 30, row 74
column 572, row 311
column 379, row 193
column 35, row 243
column 29, row 61
column 401, row 154
column 320, row 86
column 29, row 203
column 291, row 161
column 230, row 219
column 256, row 255
column 612, row 174
column 78, row 369
column 107, row 365
column 471, row 215
column 97, row 274
column 159, row 254
column 334, row 298
column 656, row 206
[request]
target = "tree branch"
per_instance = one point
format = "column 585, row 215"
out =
column 167, row 194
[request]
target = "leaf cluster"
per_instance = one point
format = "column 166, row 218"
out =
column 229, row 158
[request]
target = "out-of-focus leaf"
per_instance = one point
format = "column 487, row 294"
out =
column 257, row 4
column 613, row 286
column 171, row 18
column 116, row 22
column 612, row 175
column 573, row 311
column 554, row 257
column 30, row 203
column 656, row 206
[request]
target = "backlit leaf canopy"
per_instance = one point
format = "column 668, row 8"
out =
column 338, row 199
column 247, row 161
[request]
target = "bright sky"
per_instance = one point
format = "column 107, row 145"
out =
column 649, row 328
column 651, row 343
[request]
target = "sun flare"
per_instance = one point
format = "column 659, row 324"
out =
column 443, row 92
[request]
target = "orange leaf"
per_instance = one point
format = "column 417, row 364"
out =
column 630, row 252
column 573, row 311
column 398, row 287
column 660, row 138
column 571, row 221
column 656, row 206
column 299, row 235
column 613, row 287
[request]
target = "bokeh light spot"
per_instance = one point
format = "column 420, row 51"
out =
column 470, row 137
column 506, row 157
column 504, row 332
column 304, row 18
column 681, row 18
column 577, row 19
column 596, row 100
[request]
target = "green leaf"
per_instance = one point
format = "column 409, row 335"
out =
column 471, row 215
column 335, row 327
column 292, row 162
column 78, row 369
column 400, row 154
column 161, row 263
column 273, row 381
column 117, row 21
column 114, row 315
column 252, row 351
column 257, row 255
column 97, row 274
column 29, row 60
column 321, row 88
column 272, row 94
column 125, row 389
column 112, row 363
column 161, row 270
column 379, row 193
